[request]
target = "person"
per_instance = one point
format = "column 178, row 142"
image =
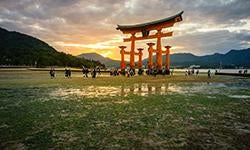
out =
column 140, row 71
column 192, row 71
column 209, row 73
column 66, row 73
column 172, row 72
column 91, row 72
column 94, row 73
column 69, row 73
column 85, row 72
column 128, row 73
column 164, row 71
column 245, row 71
column 148, row 71
column 155, row 71
column 52, row 73
column 197, row 72
column 111, row 72
column 131, row 72
column 115, row 72
column 99, row 70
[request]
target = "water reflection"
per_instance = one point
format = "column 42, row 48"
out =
column 146, row 89
column 101, row 91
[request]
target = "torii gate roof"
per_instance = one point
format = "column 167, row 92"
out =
column 150, row 25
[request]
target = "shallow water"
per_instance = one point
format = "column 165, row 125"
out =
column 232, row 90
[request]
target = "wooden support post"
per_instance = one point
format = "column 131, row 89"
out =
column 132, row 51
column 159, row 50
column 168, row 57
column 150, row 55
column 122, row 52
column 140, row 57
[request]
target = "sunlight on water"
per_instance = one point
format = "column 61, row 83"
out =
column 240, row 96
column 102, row 91
column 145, row 89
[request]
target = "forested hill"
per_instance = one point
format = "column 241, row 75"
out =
column 232, row 59
column 21, row 49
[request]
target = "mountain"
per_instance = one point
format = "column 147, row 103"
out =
column 232, row 59
column 21, row 49
column 104, row 60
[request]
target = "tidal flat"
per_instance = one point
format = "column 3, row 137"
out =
column 141, row 112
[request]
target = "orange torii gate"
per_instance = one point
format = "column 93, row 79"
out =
column 145, row 29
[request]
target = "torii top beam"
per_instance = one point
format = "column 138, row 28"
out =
column 154, row 25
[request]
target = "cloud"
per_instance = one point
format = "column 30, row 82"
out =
column 208, row 26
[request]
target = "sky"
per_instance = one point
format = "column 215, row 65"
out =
column 84, row 26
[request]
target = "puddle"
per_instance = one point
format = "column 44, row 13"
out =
column 109, row 91
column 144, row 89
column 240, row 96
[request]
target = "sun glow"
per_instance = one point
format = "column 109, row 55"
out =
column 107, row 54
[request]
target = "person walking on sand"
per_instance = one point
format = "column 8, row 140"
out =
column 197, row 72
column 209, row 73
column 98, row 70
column 85, row 72
column 66, row 73
column 172, row 72
column 52, row 73
column 94, row 73
column 69, row 73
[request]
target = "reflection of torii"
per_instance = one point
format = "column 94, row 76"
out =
column 144, row 89
column 145, row 29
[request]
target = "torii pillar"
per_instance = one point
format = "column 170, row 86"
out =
column 122, row 52
column 150, row 54
column 167, row 57
column 140, row 57
column 132, row 51
column 159, row 50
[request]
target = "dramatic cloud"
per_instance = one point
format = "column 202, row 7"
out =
column 80, row 26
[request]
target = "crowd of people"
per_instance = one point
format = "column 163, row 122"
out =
column 154, row 71
column 191, row 72
column 67, row 73
column 114, row 72
column 196, row 72
column 129, row 72
column 93, row 71
column 244, row 71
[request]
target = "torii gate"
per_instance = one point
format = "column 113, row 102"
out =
column 145, row 29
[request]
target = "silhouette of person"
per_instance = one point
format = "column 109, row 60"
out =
column 209, row 73
column 69, row 73
column 52, row 73
column 197, row 72
column 66, row 73
column 94, row 73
